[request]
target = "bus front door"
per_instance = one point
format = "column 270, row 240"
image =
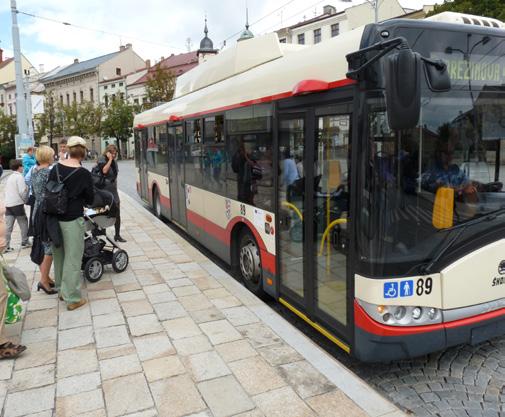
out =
column 313, row 201
column 144, row 192
column 177, row 184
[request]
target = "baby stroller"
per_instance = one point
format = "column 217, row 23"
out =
column 99, row 250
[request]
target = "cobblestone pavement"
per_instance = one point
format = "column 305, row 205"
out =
column 174, row 335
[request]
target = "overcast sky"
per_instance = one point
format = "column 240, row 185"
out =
column 155, row 28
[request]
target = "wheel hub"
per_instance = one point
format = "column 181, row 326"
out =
column 121, row 260
column 95, row 269
column 250, row 262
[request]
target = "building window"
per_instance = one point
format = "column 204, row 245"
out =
column 68, row 99
column 136, row 101
column 61, row 99
column 91, row 98
column 105, row 87
column 335, row 29
column 120, row 84
column 106, row 100
column 283, row 40
column 301, row 38
column 112, row 85
column 121, row 96
column 10, row 96
column 118, row 71
column 317, row 35
column 81, row 95
column 74, row 96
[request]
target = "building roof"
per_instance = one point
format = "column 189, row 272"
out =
column 80, row 67
column 178, row 64
column 5, row 62
column 314, row 19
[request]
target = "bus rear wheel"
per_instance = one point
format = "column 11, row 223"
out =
column 250, row 263
column 157, row 203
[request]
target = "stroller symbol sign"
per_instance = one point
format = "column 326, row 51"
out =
column 390, row 290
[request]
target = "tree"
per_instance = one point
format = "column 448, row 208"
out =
column 118, row 122
column 487, row 8
column 8, row 130
column 160, row 85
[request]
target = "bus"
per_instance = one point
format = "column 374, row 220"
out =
column 358, row 181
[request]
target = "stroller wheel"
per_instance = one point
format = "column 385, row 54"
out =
column 119, row 260
column 93, row 269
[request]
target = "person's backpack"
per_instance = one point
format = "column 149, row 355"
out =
column 56, row 194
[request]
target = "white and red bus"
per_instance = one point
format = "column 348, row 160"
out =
column 366, row 194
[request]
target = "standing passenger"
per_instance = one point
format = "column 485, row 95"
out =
column 28, row 161
column 68, row 257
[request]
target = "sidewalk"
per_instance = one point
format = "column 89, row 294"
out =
column 174, row 335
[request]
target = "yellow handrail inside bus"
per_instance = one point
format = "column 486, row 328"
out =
column 327, row 231
column 294, row 208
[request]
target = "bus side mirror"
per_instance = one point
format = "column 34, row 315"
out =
column 403, row 89
column 437, row 76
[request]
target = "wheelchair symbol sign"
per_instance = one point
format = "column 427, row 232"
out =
column 390, row 290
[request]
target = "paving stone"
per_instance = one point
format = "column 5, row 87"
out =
column 225, row 396
column 104, row 307
column 161, row 297
column 256, row 375
column 77, row 384
column 37, row 354
column 131, row 296
column 209, row 314
column 259, row 335
column 41, row 318
column 120, row 366
column 24, row 379
column 142, row 325
column 41, row 334
column 136, row 308
column 165, row 367
column 76, row 318
column 239, row 316
column 29, row 401
column 43, row 304
column 214, row 293
column 81, row 336
column 192, row 345
column 204, row 283
column 127, row 394
column 195, row 302
column 169, row 310
column 234, row 351
column 177, row 396
column 305, row 379
column 77, row 404
column 108, row 320
column 181, row 328
column 76, row 361
column 6, row 367
column 186, row 290
column 279, row 354
column 220, row 331
column 102, row 294
column 153, row 346
column 146, row 413
column 282, row 402
column 206, row 365
column 115, row 351
column 226, row 302
column 111, row 336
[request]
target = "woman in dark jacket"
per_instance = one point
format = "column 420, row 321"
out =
column 107, row 165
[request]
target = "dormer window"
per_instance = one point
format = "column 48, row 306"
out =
column 118, row 71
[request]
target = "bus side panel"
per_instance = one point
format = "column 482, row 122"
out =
column 161, row 183
column 213, row 217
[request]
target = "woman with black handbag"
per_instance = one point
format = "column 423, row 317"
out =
column 108, row 168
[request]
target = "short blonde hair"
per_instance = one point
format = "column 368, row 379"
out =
column 44, row 154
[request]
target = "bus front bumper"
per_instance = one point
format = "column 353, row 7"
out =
column 375, row 342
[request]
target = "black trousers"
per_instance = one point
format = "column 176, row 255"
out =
column 117, row 225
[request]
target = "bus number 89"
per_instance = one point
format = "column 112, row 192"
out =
column 424, row 286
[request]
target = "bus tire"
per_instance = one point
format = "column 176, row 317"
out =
column 157, row 203
column 249, row 263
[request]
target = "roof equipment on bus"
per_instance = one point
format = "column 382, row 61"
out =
column 467, row 19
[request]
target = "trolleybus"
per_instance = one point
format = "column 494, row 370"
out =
column 358, row 181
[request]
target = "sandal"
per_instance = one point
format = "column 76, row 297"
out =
column 10, row 350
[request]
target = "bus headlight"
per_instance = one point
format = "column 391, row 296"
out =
column 402, row 315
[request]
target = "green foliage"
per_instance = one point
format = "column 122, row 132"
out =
column 118, row 121
column 160, row 85
column 487, row 8
column 8, row 130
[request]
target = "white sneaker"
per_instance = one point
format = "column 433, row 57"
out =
column 9, row 249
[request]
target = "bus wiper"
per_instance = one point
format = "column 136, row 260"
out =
column 426, row 268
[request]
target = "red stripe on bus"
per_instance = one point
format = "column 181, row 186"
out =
column 224, row 235
column 266, row 99
column 365, row 322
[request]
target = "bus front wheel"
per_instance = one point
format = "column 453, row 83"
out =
column 157, row 203
column 250, row 263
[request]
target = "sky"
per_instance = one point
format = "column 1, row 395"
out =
column 155, row 28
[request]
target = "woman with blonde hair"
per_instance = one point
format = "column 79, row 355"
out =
column 40, row 173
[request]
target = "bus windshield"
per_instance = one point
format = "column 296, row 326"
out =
column 420, row 185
